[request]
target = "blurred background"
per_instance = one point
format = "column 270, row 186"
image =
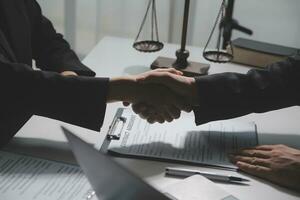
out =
column 85, row 22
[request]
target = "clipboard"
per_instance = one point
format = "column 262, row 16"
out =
column 115, row 133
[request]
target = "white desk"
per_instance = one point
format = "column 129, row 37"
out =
column 115, row 57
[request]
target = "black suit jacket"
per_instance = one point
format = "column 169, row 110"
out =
column 26, row 35
column 229, row 95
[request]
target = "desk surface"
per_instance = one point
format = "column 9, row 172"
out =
column 114, row 57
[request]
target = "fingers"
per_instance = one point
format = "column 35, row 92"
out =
column 171, row 80
column 254, row 153
column 152, row 115
column 158, row 75
column 167, row 116
column 265, row 147
column 179, row 103
column 170, row 70
column 174, row 112
column 166, row 78
column 143, row 110
column 159, row 118
column 176, row 101
column 170, row 112
column 151, row 120
column 165, row 102
column 181, row 85
column 255, row 161
column 155, row 118
column 255, row 170
column 251, row 161
column 139, row 108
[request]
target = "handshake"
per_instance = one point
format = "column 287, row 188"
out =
column 157, row 96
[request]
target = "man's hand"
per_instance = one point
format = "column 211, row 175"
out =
column 181, row 85
column 172, row 79
column 158, row 102
column 277, row 163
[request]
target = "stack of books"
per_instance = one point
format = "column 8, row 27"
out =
column 259, row 54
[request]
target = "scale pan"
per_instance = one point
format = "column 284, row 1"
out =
column 218, row 56
column 148, row 46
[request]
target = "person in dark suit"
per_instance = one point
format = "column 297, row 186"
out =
column 64, row 88
column 230, row 95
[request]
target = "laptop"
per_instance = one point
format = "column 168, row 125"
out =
column 110, row 180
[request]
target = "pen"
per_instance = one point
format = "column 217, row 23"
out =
column 212, row 176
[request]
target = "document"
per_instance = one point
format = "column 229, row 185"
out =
column 197, row 187
column 30, row 178
column 182, row 140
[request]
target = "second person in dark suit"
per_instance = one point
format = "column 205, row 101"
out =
column 230, row 95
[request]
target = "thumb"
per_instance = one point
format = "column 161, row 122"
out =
column 158, row 72
column 170, row 70
column 158, row 77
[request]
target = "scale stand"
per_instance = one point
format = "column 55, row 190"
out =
column 181, row 63
column 218, row 55
column 229, row 24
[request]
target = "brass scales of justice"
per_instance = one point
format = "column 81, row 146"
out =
column 221, row 54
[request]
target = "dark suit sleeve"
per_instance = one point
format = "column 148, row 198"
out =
column 230, row 95
column 50, row 50
column 77, row 100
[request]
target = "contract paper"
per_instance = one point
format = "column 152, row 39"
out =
column 182, row 140
column 30, row 178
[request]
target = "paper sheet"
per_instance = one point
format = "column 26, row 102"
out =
column 195, row 188
column 183, row 141
column 29, row 178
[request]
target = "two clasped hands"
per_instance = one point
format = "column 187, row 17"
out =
column 161, row 95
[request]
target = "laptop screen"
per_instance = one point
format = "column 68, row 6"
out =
column 110, row 180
